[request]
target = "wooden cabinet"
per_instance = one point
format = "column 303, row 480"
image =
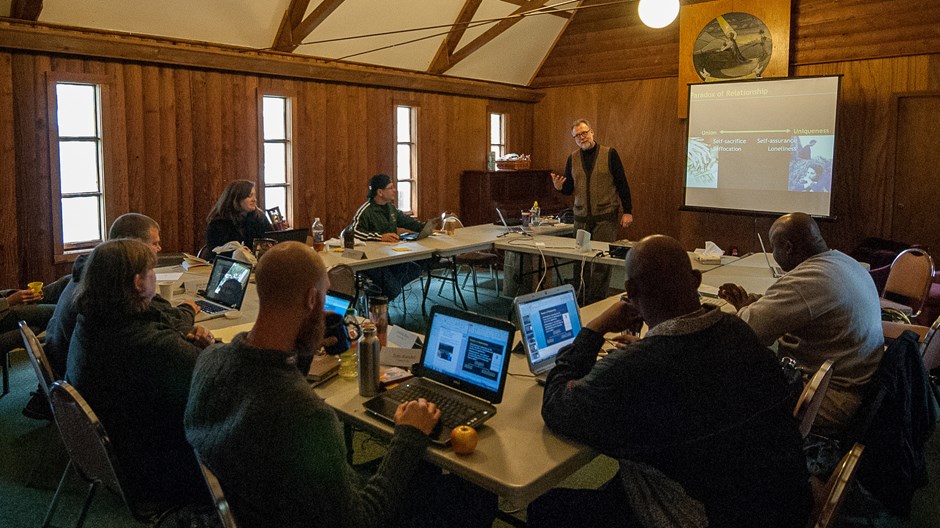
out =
column 481, row 192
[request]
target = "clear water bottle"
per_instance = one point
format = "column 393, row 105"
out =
column 316, row 230
column 535, row 218
column 369, row 348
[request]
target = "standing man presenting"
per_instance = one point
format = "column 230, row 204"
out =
column 595, row 175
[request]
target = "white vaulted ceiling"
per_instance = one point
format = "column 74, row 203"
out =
column 512, row 56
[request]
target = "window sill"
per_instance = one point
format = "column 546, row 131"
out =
column 71, row 256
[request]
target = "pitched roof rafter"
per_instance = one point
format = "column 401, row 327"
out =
column 557, row 12
column 441, row 60
column 440, row 66
column 295, row 28
column 26, row 9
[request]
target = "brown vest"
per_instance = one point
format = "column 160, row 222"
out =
column 594, row 195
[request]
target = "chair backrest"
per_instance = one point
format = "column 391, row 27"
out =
column 218, row 497
column 85, row 438
column 910, row 278
column 342, row 279
column 827, row 503
column 37, row 356
column 807, row 407
column 931, row 353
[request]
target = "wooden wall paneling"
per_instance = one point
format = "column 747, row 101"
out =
column 151, row 202
column 311, row 180
column 170, row 203
column 117, row 195
column 134, row 132
column 212, row 167
column 32, row 158
column 187, row 219
column 203, row 193
column 9, row 236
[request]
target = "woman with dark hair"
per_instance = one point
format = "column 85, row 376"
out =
column 134, row 368
column 236, row 216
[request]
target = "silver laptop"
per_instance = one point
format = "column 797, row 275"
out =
column 463, row 370
column 226, row 289
column 424, row 233
column 777, row 271
column 517, row 229
column 548, row 321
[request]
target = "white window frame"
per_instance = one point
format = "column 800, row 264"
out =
column 412, row 144
column 498, row 148
column 65, row 252
column 287, row 185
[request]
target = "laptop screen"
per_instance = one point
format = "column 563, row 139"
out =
column 337, row 302
column 228, row 282
column 548, row 321
column 469, row 349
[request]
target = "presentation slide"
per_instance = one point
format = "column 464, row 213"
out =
column 549, row 324
column 762, row 146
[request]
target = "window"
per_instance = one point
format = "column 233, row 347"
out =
column 276, row 175
column 406, row 157
column 77, row 145
column 498, row 134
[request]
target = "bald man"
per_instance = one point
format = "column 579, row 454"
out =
column 276, row 447
column 696, row 412
column 827, row 306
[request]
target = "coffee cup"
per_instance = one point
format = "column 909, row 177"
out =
column 36, row 287
column 166, row 290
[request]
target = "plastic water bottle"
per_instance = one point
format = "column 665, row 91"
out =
column 535, row 218
column 317, row 231
column 349, row 362
column 369, row 348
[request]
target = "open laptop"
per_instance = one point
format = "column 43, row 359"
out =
column 424, row 233
column 226, row 289
column 548, row 321
column 299, row 234
column 463, row 370
column 777, row 271
column 338, row 302
column 516, row 229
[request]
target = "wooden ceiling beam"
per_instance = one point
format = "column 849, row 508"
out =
column 293, row 16
column 557, row 12
column 498, row 29
column 26, row 9
column 441, row 60
column 302, row 30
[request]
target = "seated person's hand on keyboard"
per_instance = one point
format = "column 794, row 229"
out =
column 419, row 414
column 192, row 305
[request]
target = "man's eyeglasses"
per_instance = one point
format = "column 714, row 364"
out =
column 391, row 187
column 581, row 135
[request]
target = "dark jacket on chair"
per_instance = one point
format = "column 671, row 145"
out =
column 895, row 422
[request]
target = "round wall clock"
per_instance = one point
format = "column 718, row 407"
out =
column 732, row 46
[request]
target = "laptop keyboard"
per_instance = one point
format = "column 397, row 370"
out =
column 712, row 301
column 454, row 412
column 208, row 307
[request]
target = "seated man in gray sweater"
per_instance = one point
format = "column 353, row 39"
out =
column 827, row 306
column 696, row 412
column 276, row 447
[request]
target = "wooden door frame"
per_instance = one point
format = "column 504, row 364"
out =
column 892, row 152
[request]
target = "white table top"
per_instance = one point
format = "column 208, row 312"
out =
column 564, row 247
column 750, row 272
column 465, row 239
